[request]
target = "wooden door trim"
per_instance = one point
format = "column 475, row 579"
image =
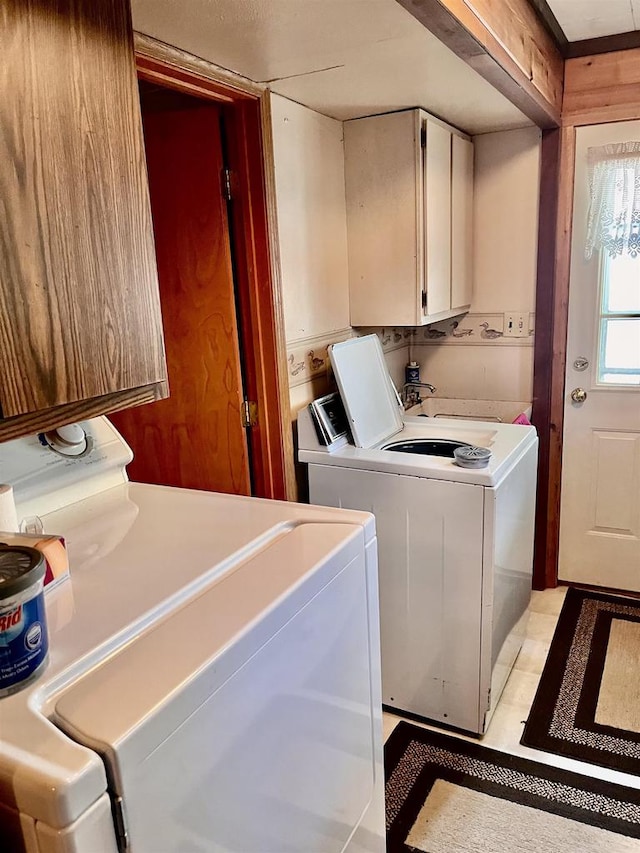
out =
column 550, row 352
column 543, row 341
column 248, row 106
column 179, row 69
column 602, row 44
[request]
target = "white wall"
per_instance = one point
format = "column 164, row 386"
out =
column 474, row 359
column 312, row 226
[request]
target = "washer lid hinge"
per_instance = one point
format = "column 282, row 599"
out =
column 120, row 822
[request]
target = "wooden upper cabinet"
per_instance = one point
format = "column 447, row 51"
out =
column 79, row 303
column 409, row 188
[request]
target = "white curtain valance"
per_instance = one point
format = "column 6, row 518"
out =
column 614, row 209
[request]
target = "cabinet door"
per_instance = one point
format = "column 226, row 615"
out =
column 384, row 219
column 79, row 305
column 437, row 195
column 461, row 222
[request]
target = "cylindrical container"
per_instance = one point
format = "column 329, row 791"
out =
column 24, row 642
column 412, row 372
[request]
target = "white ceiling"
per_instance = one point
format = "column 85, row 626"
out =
column 343, row 58
column 586, row 19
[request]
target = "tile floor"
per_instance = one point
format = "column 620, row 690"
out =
column 505, row 729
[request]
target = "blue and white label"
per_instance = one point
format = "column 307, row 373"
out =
column 23, row 641
column 33, row 637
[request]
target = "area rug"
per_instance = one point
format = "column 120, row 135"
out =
column 447, row 795
column 588, row 701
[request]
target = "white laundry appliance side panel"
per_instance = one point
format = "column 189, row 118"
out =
column 370, row 836
column 430, row 540
column 94, row 830
column 508, row 557
column 272, row 745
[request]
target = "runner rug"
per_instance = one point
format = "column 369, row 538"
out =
column 446, row 795
column 588, row 701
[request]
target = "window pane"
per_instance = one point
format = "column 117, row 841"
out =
column 620, row 352
column 622, row 285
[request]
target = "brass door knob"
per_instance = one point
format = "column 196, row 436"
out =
column 578, row 395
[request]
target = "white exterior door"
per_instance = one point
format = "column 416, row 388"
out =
column 600, row 514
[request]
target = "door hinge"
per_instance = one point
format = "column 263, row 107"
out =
column 423, row 136
column 424, row 300
column 227, row 189
column 120, row 822
column 249, row 414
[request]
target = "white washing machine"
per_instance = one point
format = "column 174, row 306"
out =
column 455, row 544
column 213, row 682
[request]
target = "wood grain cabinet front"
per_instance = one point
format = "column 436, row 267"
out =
column 80, row 323
column 409, row 187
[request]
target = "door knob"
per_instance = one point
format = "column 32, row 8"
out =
column 578, row 395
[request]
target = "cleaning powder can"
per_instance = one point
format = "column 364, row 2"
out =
column 412, row 372
column 24, row 643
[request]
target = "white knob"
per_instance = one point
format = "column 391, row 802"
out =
column 69, row 440
column 72, row 433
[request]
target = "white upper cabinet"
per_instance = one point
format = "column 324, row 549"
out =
column 461, row 221
column 409, row 184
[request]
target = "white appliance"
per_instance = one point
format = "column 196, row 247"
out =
column 213, row 682
column 455, row 544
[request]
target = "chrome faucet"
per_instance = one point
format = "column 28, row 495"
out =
column 411, row 393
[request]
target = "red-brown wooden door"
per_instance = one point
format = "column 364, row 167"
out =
column 194, row 439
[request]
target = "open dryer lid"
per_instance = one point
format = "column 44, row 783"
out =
column 368, row 394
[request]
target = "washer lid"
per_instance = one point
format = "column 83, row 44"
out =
column 369, row 396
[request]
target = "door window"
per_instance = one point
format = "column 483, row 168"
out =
column 619, row 321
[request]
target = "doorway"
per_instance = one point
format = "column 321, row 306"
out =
column 600, row 498
column 195, row 438
column 219, row 286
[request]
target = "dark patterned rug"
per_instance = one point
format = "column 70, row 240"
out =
column 588, row 701
column 447, row 795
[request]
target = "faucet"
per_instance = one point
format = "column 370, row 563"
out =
column 411, row 393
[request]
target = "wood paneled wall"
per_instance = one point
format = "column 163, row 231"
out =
column 602, row 87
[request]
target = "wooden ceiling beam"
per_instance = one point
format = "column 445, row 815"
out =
column 602, row 44
column 507, row 44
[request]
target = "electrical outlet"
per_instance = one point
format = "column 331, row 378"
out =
column 516, row 325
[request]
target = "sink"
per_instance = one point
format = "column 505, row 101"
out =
column 498, row 411
column 426, row 446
